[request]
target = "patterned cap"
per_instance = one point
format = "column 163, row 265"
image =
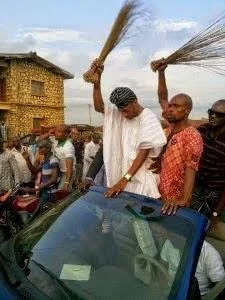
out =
column 122, row 96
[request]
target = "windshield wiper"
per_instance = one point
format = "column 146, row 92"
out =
column 9, row 274
column 63, row 287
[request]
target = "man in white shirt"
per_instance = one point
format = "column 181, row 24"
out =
column 210, row 269
column 64, row 150
column 132, row 137
column 90, row 151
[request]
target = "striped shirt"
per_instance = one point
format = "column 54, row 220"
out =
column 48, row 165
column 211, row 172
column 4, row 131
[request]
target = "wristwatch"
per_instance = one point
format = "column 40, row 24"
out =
column 128, row 177
column 215, row 214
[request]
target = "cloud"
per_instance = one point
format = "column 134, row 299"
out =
column 171, row 25
column 127, row 65
column 50, row 35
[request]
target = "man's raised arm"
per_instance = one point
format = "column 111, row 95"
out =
column 160, row 66
column 97, row 94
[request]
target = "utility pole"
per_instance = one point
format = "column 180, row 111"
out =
column 89, row 109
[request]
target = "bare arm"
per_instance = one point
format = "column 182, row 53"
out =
column 160, row 66
column 42, row 137
column 138, row 162
column 69, row 172
column 97, row 94
column 34, row 169
column 162, row 90
column 189, row 179
column 45, row 136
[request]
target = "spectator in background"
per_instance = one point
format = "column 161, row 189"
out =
column 4, row 130
column 49, row 168
column 9, row 173
column 78, row 143
column 64, row 150
column 90, row 151
column 24, row 172
column 95, row 168
column 210, row 269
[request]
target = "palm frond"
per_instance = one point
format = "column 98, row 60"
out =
column 205, row 50
column 127, row 16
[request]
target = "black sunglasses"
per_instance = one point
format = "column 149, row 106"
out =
column 216, row 113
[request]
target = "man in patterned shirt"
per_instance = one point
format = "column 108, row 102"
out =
column 9, row 173
column 49, row 168
column 181, row 156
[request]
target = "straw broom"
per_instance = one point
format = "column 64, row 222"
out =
column 205, row 50
column 126, row 17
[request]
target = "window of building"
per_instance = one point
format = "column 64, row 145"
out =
column 37, row 122
column 37, row 88
column 2, row 89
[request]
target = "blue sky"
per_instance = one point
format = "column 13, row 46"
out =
column 70, row 33
column 99, row 12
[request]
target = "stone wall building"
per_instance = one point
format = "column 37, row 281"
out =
column 31, row 92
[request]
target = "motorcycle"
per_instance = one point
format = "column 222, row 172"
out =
column 18, row 209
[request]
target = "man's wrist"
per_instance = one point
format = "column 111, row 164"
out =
column 97, row 85
column 215, row 214
column 89, row 179
column 128, row 177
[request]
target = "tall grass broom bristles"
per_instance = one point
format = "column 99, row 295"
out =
column 126, row 17
column 205, row 50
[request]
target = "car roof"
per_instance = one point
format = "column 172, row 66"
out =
column 200, row 224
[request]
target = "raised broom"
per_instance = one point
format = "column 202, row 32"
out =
column 126, row 17
column 205, row 50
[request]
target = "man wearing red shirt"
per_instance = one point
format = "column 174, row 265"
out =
column 181, row 155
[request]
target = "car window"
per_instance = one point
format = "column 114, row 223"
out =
column 106, row 249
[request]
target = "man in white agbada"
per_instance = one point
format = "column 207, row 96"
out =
column 132, row 137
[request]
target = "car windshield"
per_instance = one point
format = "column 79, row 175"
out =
column 105, row 249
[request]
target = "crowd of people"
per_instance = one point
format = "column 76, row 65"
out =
column 180, row 165
column 57, row 162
